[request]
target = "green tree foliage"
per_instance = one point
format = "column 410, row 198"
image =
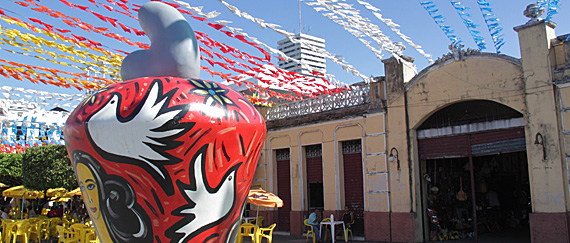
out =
column 45, row 167
column 11, row 169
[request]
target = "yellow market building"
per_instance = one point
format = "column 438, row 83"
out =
column 476, row 142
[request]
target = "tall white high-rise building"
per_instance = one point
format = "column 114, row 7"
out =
column 304, row 53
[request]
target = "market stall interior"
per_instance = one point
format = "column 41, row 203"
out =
column 502, row 199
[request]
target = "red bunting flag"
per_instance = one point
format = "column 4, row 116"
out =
column 108, row 7
column 63, row 31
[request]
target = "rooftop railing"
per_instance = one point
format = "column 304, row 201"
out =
column 358, row 95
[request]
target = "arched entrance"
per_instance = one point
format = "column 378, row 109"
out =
column 474, row 172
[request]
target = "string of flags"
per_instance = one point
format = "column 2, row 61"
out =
column 552, row 9
column 29, row 96
column 333, row 57
column 433, row 12
column 394, row 27
column 224, row 48
column 471, row 26
column 18, row 135
column 245, row 37
column 492, row 23
column 66, row 54
column 356, row 25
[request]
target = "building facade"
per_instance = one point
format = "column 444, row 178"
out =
column 477, row 142
column 306, row 49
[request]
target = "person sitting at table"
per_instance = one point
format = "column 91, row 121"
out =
column 314, row 221
column 58, row 212
column 6, row 213
column 347, row 218
column 31, row 212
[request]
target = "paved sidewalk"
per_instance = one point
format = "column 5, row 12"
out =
column 297, row 239
column 487, row 238
column 506, row 236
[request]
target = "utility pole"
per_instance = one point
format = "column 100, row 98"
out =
column 299, row 17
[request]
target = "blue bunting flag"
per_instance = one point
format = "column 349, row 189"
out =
column 492, row 23
column 433, row 12
column 471, row 26
column 552, row 9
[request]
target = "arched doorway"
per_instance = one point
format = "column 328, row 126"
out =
column 474, row 172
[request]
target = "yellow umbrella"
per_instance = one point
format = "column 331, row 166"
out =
column 59, row 199
column 56, row 192
column 74, row 192
column 3, row 185
column 17, row 191
column 33, row 194
column 21, row 192
column 64, row 197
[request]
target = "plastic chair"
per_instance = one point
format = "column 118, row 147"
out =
column 66, row 224
column 349, row 231
column 326, row 227
column 22, row 230
column 7, row 229
column 265, row 233
column 66, row 236
column 92, row 237
column 310, row 230
column 77, row 225
column 246, row 230
column 36, row 230
column 80, row 230
column 50, row 229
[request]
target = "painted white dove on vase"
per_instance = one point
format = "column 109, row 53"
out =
column 208, row 206
column 140, row 136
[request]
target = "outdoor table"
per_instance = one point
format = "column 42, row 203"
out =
column 247, row 219
column 332, row 224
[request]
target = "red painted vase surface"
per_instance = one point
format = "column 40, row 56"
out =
column 165, row 159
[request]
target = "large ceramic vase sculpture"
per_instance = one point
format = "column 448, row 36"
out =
column 165, row 156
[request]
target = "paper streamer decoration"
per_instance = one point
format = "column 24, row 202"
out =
column 297, row 81
column 394, row 27
column 552, row 9
column 21, row 71
column 542, row 4
column 246, row 38
column 37, row 98
column 75, row 22
column 72, row 49
column 32, row 133
column 334, row 58
column 471, row 26
column 352, row 27
column 433, row 12
column 111, row 58
column 492, row 24
column 361, row 25
column 225, row 49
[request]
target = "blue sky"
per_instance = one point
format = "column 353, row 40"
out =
column 414, row 22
